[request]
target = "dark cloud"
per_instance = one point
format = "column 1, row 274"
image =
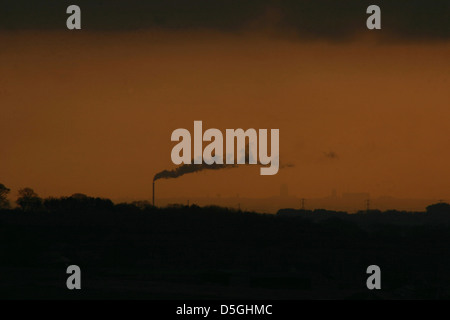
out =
column 307, row 19
column 331, row 155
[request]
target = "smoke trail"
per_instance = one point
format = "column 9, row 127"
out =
column 190, row 168
column 287, row 165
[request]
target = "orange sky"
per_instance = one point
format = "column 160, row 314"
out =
column 93, row 112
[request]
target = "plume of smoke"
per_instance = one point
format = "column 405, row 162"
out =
column 190, row 168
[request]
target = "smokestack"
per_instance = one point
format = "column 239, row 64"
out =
column 153, row 189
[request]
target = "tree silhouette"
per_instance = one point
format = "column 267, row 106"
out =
column 29, row 200
column 77, row 202
column 4, row 202
column 439, row 210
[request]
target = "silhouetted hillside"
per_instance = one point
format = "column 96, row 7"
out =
column 139, row 251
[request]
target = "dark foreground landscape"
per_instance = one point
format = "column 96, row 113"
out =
column 137, row 251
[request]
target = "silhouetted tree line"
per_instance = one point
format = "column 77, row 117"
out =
column 77, row 202
column 4, row 202
column 296, row 253
column 435, row 213
column 29, row 201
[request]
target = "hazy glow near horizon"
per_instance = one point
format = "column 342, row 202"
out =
column 93, row 113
